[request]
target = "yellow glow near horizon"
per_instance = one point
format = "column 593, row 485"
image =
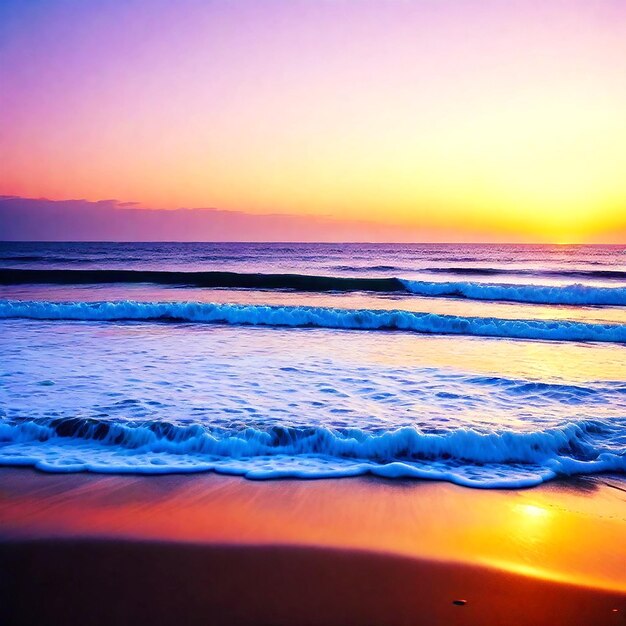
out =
column 454, row 120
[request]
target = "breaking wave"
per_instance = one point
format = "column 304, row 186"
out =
column 578, row 295
column 572, row 294
column 504, row 459
column 318, row 317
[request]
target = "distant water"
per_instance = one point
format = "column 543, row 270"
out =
column 488, row 366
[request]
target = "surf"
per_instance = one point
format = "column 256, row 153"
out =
column 504, row 459
column 571, row 294
column 315, row 317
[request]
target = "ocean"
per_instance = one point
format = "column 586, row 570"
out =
column 490, row 366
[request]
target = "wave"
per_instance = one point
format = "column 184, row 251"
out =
column 502, row 459
column 576, row 294
column 51, row 260
column 16, row 274
column 568, row 393
column 371, row 268
column 316, row 317
column 27, row 258
column 600, row 274
column 560, row 273
column 233, row 280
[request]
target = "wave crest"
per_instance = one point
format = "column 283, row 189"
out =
column 577, row 294
column 463, row 456
column 318, row 317
column 573, row 294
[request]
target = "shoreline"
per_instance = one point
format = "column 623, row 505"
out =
column 208, row 548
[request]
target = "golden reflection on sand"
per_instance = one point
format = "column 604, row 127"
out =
column 569, row 532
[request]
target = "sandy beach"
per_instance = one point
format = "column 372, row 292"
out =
column 223, row 550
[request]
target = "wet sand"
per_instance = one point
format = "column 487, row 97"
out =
column 207, row 549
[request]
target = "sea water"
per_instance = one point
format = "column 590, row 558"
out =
column 487, row 366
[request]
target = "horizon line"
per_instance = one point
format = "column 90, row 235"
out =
column 314, row 243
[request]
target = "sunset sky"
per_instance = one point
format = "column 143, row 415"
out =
column 451, row 119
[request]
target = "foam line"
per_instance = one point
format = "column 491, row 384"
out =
column 463, row 456
column 577, row 294
column 319, row 317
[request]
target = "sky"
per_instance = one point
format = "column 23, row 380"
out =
column 425, row 120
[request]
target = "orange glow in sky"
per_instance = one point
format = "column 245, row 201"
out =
column 461, row 120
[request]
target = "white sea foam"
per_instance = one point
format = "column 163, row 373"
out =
column 321, row 317
column 463, row 456
column 576, row 294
